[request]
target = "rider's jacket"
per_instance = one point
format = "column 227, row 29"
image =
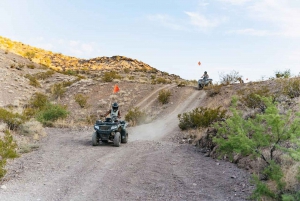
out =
column 114, row 114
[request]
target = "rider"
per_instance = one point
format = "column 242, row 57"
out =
column 114, row 111
column 205, row 75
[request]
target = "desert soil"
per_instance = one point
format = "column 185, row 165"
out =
column 151, row 166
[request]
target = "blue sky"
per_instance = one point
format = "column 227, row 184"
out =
column 254, row 37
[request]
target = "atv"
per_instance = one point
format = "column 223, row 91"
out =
column 110, row 130
column 204, row 82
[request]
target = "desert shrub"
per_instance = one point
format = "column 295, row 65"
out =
column 181, row 83
column 44, row 75
column 81, row 100
column 7, row 151
column 13, row 120
column 126, row 70
column 21, row 65
column 200, row 117
column 33, row 81
column 291, row 88
column 91, row 119
column 283, row 74
column 110, row 76
column 254, row 98
column 230, row 78
column 161, row 80
column 153, row 77
column 213, row 89
column 38, row 101
column 261, row 137
column 131, row 77
column 58, row 90
column 135, row 116
column 31, row 66
column 51, row 113
column 69, row 72
column 29, row 55
column 164, row 96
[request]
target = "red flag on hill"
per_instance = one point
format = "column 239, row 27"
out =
column 116, row 89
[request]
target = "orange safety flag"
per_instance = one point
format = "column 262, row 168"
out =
column 199, row 63
column 116, row 89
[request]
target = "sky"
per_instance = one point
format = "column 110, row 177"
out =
column 253, row 37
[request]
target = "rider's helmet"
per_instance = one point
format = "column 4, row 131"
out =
column 205, row 72
column 115, row 107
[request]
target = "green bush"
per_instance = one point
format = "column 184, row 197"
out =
column 135, row 116
column 261, row 137
column 7, row 151
column 283, row 74
column 13, row 120
column 81, row 100
column 164, row 96
column 160, row 80
column 51, row 113
column 201, row 117
column 110, row 76
column 254, row 98
column 58, row 90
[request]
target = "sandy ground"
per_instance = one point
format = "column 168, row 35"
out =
column 149, row 167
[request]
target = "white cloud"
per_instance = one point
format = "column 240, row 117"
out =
column 203, row 22
column 252, row 32
column 166, row 21
column 280, row 15
column 235, row 2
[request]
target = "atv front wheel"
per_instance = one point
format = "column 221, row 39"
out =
column 95, row 139
column 117, row 139
column 125, row 139
column 200, row 87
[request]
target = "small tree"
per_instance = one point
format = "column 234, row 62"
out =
column 261, row 137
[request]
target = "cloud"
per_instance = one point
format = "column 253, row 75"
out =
column 166, row 21
column 252, row 32
column 203, row 22
column 280, row 15
column 235, row 2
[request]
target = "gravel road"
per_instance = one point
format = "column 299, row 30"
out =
column 149, row 167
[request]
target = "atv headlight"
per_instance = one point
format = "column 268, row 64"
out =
column 114, row 127
column 96, row 127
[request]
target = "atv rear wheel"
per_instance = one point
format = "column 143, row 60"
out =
column 200, row 86
column 117, row 139
column 95, row 139
column 125, row 139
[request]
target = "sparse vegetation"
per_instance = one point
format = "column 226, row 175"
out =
column 51, row 113
column 110, row 76
column 230, row 78
column 253, row 99
column 33, row 81
column 7, row 151
column 291, row 87
column 213, row 89
column 283, row 74
column 164, row 96
column 135, row 116
column 13, row 120
column 81, row 100
column 29, row 55
column 58, row 90
column 269, row 136
column 201, row 118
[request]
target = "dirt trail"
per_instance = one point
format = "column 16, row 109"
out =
column 149, row 167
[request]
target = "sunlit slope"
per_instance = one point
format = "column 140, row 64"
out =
column 60, row 62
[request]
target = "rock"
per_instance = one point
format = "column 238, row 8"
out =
column 233, row 177
column 3, row 187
